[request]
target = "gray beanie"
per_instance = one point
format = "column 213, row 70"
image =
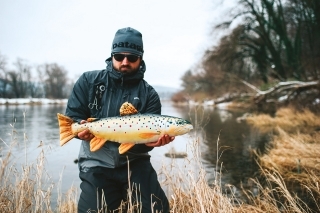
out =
column 127, row 40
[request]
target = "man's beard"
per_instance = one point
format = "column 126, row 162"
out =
column 127, row 69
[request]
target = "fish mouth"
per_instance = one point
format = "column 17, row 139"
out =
column 184, row 129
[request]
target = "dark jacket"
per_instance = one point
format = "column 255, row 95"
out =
column 100, row 94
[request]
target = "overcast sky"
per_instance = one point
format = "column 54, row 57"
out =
column 77, row 34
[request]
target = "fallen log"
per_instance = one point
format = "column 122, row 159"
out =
column 287, row 92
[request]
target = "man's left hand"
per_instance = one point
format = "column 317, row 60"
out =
column 163, row 140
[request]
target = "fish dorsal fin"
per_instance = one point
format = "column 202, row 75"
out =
column 96, row 143
column 124, row 147
column 128, row 109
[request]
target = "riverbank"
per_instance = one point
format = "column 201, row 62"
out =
column 292, row 156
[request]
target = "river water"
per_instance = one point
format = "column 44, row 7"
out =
column 224, row 143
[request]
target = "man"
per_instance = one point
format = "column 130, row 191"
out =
column 100, row 94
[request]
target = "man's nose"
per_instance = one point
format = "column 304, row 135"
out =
column 125, row 61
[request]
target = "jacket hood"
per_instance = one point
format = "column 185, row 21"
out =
column 127, row 77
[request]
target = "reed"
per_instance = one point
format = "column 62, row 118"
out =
column 27, row 187
column 292, row 156
column 288, row 119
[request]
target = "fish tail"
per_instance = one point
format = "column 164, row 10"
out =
column 66, row 133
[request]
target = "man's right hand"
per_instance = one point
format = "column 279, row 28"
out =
column 85, row 134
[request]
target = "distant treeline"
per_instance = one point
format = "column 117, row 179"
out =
column 273, row 41
column 26, row 81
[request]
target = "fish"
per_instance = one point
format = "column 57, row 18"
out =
column 128, row 129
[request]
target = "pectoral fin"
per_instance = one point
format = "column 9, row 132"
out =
column 125, row 147
column 148, row 135
column 96, row 143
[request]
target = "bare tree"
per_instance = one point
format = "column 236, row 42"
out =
column 20, row 79
column 4, row 90
column 55, row 80
column 276, row 38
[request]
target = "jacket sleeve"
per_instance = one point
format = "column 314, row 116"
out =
column 77, row 107
column 154, row 104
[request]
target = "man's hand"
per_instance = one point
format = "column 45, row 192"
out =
column 85, row 134
column 165, row 139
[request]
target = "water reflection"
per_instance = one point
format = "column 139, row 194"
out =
column 227, row 145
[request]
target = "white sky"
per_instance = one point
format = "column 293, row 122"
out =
column 77, row 34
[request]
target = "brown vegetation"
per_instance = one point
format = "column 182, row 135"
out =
column 294, row 151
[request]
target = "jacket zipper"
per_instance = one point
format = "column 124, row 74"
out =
column 109, row 102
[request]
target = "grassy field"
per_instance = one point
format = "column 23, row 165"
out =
column 288, row 180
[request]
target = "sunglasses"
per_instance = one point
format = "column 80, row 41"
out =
column 131, row 57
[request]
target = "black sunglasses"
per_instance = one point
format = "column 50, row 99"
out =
column 131, row 57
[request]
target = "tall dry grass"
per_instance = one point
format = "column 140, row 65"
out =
column 293, row 153
column 27, row 187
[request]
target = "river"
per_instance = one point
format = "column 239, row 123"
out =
column 28, row 129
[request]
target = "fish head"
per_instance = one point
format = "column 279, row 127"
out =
column 179, row 126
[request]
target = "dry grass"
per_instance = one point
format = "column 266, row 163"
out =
column 289, row 120
column 190, row 189
column 292, row 157
column 295, row 145
column 29, row 189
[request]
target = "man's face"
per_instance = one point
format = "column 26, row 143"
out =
column 125, row 64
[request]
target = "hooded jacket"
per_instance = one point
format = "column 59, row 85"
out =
column 100, row 94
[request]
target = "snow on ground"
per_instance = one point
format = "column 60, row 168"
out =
column 40, row 101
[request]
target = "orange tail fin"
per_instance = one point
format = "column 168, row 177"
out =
column 65, row 129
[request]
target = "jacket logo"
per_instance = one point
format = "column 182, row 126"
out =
column 135, row 98
column 127, row 45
